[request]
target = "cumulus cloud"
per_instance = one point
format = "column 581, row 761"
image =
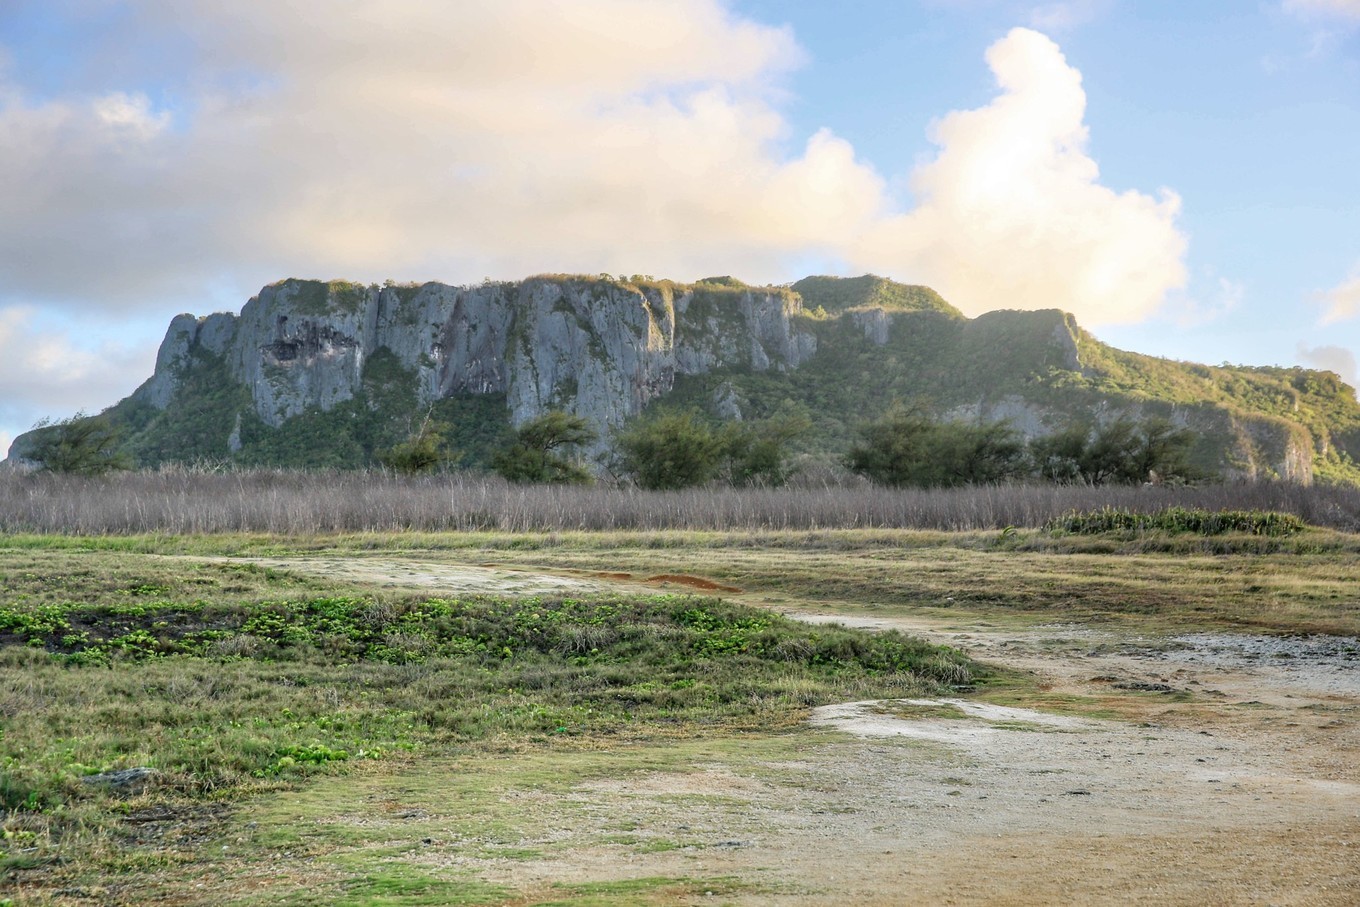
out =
column 1330, row 358
column 1011, row 212
column 130, row 116
column 418, row 138
column 1342, row 302
column 422, row 139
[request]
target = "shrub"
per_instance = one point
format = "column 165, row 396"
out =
column 1179, row 520
column 670, row 451
column 907, row 448
column 541, row 450
column 757, row 453
column 1119, row 452
column 424, row 451
column 80, row 445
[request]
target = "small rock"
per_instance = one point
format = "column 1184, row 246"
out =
column 123, row 781
column 1144, row 687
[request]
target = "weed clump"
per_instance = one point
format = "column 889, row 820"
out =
column 1178, row 520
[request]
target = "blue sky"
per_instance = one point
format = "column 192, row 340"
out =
column 1180, row 175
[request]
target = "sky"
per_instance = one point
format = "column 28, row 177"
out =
column 1184, row 177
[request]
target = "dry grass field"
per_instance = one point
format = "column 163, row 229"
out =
column 728, row 714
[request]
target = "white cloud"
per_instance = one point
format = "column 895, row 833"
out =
column 1186, row 311
column 1011, row 213
column 1066, row 14
column 421, row 139
column 418, row 138
column 1342, row 301
column 130, row 116
column 48, row 370
column 1330, row 358
column 1340, row 9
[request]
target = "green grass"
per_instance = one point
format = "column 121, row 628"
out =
column 322, row 731
column 405, row 821
column 233, row 680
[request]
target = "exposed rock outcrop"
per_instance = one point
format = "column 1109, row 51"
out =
column 362, row 365
column 602, row 349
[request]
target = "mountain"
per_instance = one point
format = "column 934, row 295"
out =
column 327, row 374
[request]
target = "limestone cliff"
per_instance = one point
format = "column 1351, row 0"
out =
column 329, row 374
column 600, row 348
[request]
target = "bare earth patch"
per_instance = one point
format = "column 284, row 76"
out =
column 1205, row 768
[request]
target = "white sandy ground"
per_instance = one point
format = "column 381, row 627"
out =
column 1245, row 792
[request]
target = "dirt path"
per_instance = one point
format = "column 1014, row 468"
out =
column 1207, row 768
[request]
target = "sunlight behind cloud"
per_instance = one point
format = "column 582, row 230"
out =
column 419, row 139
column 1011, row 213
column 1342, row 302
column 1330, row 358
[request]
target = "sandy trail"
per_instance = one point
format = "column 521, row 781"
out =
column 1238, row 783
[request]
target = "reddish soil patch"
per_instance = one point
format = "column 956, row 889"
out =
column 695, row 582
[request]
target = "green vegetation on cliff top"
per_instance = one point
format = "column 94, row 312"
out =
column 841, row 294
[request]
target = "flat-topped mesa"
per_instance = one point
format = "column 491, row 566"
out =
column 597, row 347
column 332, row 374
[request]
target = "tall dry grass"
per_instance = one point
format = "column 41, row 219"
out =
column 188, row 501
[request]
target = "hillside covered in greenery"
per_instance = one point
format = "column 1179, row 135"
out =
column 333, row 375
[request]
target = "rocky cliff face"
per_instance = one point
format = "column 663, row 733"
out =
column 331, row 374
column 599, row 348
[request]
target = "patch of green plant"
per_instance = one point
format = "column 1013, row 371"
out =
column 196, row 425
column 284, row 689
column 644, row 891
column 840, row 294
column 1179, row 520
column 389, row 884
column 316, row 297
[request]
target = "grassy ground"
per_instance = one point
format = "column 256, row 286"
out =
column 1149, row 582
column 261, row 693
column 234, row 680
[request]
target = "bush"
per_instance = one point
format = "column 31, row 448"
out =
column 423, row 452
column 81, row 445
column 1119, row 452
column 906, row 448
column 539, row 452
column 757, row 453
column 1178, row 520
column 670, row 451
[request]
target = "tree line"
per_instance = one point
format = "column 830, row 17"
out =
column 680, row 449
